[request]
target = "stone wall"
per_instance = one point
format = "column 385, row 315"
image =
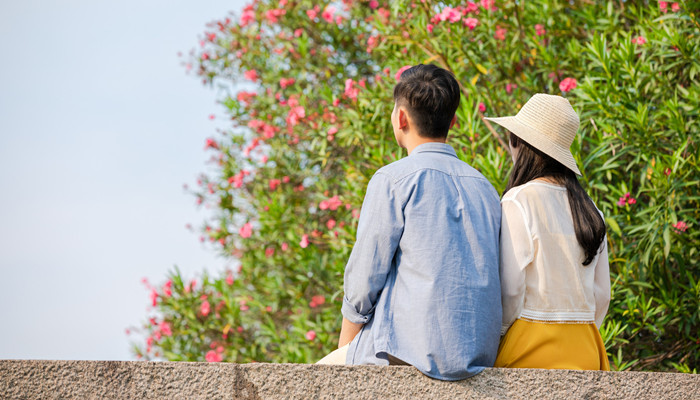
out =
column 24, row 379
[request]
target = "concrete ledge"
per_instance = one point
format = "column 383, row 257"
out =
column 24, row 379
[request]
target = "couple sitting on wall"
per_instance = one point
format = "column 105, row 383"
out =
column 446, row 277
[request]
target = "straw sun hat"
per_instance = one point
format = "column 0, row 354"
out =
column 549, row 124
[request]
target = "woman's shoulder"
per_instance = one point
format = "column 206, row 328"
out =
column 533, row 189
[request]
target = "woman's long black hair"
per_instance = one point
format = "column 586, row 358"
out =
column 531, row 164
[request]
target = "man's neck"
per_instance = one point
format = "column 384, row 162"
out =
column 416, row 141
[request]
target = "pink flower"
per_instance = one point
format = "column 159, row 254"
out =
column 304, row 241
column 330, row 224
column 243, row 306
column 372, row 42
column 205, row 308
column 471, row 23
column 251, row 75
column 165, row 328
column 482, row 107
column 284, row 246
column 663, row 5
column 667, row 172
column 213, row 356
column 285, row 82
column 229, row 278
column 680, row 226
column 328, row 13
column 675, row 7
column 273, row 15
column 317, row 300
column 471, row 7
column 350, row 90
column 298, row 32
column 154, row 297
column 500, row 34
column 211, row 144
column 539, row 30
column 246, row 230
column 247, row 17
column 274, row 183
column 167, row 291
column 400, row 71
column 333, row 203
column 269, row 252
column 449, row 14
column 295, row 114
column 310, row 335
column 626, row 199
column 488, row 4
column 567, row 84
column 510, row 87
column 430, row 28
column 373, row 4
column 313, row 13
column 639, row 40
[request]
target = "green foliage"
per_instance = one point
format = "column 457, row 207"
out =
column 308, row 131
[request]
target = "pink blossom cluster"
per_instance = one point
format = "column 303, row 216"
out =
column 317, row 301
column 211, row 144
column 286, row 82
column 639, row 40
column 459, row 13
column 247, row 16
column 251, row 75
column 237, row 180
column 273, row 15
column 310, row 335
column 663, row 6
column 215, row 356
column 372, row 43
column 246, row 230
column 330, row 204
column 352, row 88
column 680, row 226
column 626, row 199
column 266, row 130
column 295, row 114
column 567, row 84
column 539, row 30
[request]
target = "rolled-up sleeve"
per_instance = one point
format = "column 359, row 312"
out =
column 378, row 233
column 517, row 251
column 601, row 282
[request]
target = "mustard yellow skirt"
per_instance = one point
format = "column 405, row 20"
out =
column 552, row 346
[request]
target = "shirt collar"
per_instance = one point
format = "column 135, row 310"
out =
column 434, row 147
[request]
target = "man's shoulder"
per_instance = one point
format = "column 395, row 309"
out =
column 408, row 166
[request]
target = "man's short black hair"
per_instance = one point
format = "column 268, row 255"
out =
column 431, row 95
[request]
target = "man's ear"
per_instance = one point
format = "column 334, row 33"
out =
column 454, row 121
column 403, row 118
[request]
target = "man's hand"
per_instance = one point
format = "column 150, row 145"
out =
column 348, row 332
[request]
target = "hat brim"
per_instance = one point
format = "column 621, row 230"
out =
column 538, row 141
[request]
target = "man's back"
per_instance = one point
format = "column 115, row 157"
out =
column 427, row 249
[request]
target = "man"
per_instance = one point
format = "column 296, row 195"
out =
column 421, row 284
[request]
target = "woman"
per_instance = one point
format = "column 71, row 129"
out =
column 555, row 281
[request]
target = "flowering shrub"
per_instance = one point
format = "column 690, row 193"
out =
column 310, row 95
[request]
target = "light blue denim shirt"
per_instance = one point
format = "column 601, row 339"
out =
column 423, row 274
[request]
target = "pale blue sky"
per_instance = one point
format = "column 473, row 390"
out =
column 99, row 129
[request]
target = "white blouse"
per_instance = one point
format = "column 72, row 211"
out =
column 542, row 275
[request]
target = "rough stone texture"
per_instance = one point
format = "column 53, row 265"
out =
column 24, row 379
